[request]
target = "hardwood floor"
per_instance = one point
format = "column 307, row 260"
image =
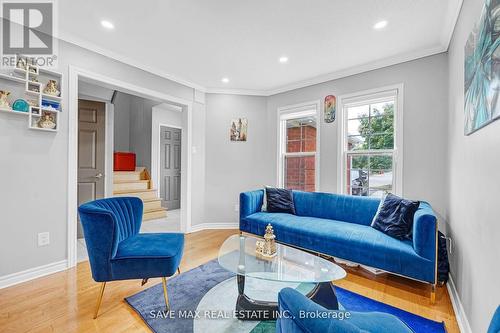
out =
column 64, row 302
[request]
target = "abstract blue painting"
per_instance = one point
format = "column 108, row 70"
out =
column 482, row 70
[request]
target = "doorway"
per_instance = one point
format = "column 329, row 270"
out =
column 91, row 153
column 170, row 167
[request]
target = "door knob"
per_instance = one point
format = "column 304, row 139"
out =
column 98, row 176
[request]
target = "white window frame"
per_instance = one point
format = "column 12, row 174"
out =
column 362, row 97
column 285, row 113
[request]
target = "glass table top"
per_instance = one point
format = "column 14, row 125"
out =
column 238, row 255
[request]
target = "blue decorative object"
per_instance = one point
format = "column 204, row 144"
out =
column 51, row 105
column 117, row 251
column 482, row 70
column 194, row 290
column 20, row 105
column 339, row 226
column 395, row 216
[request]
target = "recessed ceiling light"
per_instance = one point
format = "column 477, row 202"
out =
column 380, row 25
column 107, row 24
column 225, row 80
column 283, row 60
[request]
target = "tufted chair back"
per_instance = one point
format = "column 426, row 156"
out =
column 107, row 222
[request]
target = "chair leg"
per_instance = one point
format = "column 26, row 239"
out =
column 178, row 270
column 165, row 293
column 433, row 293
column 99, row 299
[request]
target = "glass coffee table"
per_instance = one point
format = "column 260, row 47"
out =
column 290, row 265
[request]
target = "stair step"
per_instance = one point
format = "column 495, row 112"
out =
column 154, row 214
column 143, row 194
column 126, row 175
column 131, row 185
column 152, row 204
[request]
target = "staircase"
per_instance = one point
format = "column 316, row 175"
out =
column 138, row 184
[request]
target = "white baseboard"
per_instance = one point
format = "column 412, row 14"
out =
column 463, row 322
column 32, row 273
column 211, row 226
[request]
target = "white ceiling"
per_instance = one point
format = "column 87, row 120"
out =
column 197, row 42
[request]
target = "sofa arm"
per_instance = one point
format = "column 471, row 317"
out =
column 425, row 232
column 251, row 202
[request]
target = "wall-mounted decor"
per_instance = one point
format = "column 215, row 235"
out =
column 24, row 85
column 482, row 70
column 238, row 131
column 330, row 108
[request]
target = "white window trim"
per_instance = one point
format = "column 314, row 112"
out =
column 290, row 112
column 398, row 150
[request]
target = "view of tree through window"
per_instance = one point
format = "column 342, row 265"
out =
column 370, row 144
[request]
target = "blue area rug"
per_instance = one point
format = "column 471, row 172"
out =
column 192, row 290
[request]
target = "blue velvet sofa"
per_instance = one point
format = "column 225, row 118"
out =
column 339, row 226
column 296, row 311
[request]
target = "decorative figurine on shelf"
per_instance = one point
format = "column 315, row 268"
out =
column 46, row 121
column 21, row 63
column 4, row 103
column 267, row 248
column 51, row 88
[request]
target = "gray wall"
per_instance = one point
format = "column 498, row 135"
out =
column 37, row 165
column 425, row 124
column 121, row 123
column 473, row 186
column 233, row 167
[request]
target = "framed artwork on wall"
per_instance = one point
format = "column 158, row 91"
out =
column 330, row 108
column 482, row 70
column 238, row 130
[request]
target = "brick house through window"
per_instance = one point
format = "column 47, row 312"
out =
column 300, row 154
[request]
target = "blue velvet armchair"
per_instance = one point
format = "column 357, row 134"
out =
column 301, row 315
column 116, row 249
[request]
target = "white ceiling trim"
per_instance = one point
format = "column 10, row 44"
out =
column 70, row 38
column 452, row 18
column 386, row 62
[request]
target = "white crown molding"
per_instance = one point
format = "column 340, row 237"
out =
column 229, row 91
column 32, row 273
column 451, row 21
column 447, row 34
column 463, row 322
column 386, row 62
column 70, row 38
column 212, row 226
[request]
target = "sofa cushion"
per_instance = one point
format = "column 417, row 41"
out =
column 360, row 210
column 395, row 216
column 148, row 255
column 351, row 241
column 279, row 200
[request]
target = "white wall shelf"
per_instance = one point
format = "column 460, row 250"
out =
column 23, row 82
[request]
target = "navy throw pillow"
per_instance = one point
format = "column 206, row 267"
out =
column 395, row 216
column 279, row 200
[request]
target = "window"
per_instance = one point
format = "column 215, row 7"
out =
column 298, row 145
column 370, row 144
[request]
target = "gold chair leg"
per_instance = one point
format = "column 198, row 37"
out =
column 99, row 299
column 165, row 293
column 433, row 294
column 178, row 270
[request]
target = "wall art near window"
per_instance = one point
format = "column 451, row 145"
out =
column 239, row 128
column 330, row 108
column 482, row 70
